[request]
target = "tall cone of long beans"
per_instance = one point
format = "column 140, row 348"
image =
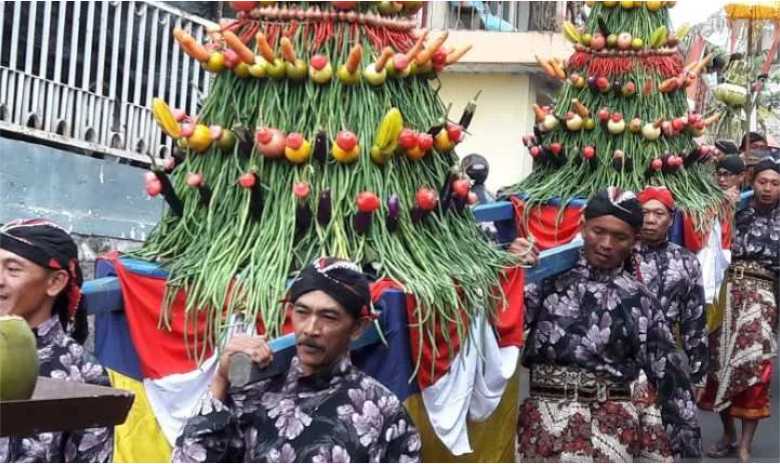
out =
column 641, row 81
column 231, row 254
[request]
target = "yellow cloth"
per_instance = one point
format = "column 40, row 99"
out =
column 492, row 440
column 140, row 438
column 715, row 310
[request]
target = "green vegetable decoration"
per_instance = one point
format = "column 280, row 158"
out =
column 321, row 135
column 622, row 116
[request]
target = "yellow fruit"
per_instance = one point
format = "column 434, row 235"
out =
column 627, row 4
column 321, row 76
column 296, row 71
column 388, row 130
column 215, row 63
column 346, row 78
column 609, row 4
column 276, row 69
column 18, row 359
column 344, row 156
column 241, row 70
column 415, row 153
column 373, row 77
column 654, row 6
column 200, row 139
column 442, row 142
column 259, row 68
column 164, row 117
column 378, row 156
column 227, row 141
column 299, row 155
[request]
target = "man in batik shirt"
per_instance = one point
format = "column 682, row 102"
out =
column 673, row 275
column 320, row 408
column 590, row 331
column 40, row 280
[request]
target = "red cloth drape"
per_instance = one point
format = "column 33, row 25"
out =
column 548, row 225
column 694, row 240
column 160, row 351
column 508, row 324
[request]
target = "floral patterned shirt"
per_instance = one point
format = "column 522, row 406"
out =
column 340, row 416
column 61, row 357
column 757, row 236
column 674, row 274
column 605, row 322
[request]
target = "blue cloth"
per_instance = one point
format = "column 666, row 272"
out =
column 113, row 346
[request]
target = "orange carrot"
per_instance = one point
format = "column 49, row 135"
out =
column 417, row 45
column 387, row 53
column 711, row 120
column 557, row 66
column 546, row 67
column 264, row 48
column 355, row 56
column 288, row 52
column 179, row 34
column 696, row 69
column 579, row 108
column 669, row 85
column 425, row 55
column 539, row 112
column 190, row 45
column 244, row 53
column 455, row 55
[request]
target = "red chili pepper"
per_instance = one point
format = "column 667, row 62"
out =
column 292, row 29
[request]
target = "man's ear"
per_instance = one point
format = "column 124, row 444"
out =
column 361, row 324
column 57, row 282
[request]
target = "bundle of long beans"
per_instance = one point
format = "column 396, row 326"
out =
column 232, row 253
column 636, row 77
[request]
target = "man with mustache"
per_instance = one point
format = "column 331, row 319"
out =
column 321, row 409
column 590, row 331
column 674, row 275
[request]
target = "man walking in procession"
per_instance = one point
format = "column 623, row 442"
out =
column 673, row 275
column 591, row 330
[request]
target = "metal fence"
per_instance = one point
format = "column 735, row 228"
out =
column 494, row 16
column 84, row 73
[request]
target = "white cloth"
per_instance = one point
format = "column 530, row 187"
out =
column 714, row 262
column 173, row 398
column 471, row 389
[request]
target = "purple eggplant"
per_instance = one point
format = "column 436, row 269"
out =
column 169, row 193
column 302, row 219
column 445, row 192
column 418, row 214
column 362, row 222
column 324, row 208
column 256, row 201
column 468, row 112
column 205, row 195
column 393, row 212
column 246, row 140
column 321, row 147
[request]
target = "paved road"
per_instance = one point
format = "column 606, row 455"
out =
column 766, row 445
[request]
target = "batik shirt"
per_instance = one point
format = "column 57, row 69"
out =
column 757, row 236
column 673, row 274
column 61, row 357
column 339, row 416
column 605, row 322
